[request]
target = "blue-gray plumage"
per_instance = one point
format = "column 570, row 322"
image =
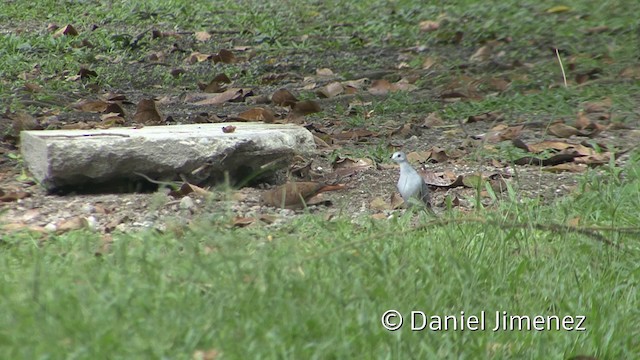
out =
column 411, row 186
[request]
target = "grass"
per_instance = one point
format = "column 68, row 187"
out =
column 316, row 289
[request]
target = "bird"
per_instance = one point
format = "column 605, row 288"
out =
column 412, row 188
column 296, row 194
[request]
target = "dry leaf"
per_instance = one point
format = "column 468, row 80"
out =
column 548, row 145
column 232, row 95
column 91, row 105
column 196, row 57
column 482, row 54
column 224, row 56
column 257, row 114
column 582, row 121
column 85, row 73
column 566, row 167
column 355, row 165
column 11, row 196
column 211, row 354
column 115, row 108
column 330, row 90
column 216, row 85
column 428, row 62
column 66, row 30
column 429, row 25
column 324, row 72
column 202, row 36
column 396, row 200
column 146, row 113
column 379, row 204
column 31, row 87
column 228, row 129
column 239, row 221
column 558, row 9
column 419, row 157
column 305, row 107
column 283, row 97
column 598, row 106
column 74, row 223
column 432, row 120
column 562, row 130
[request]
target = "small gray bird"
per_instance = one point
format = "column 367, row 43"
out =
column 411, row 186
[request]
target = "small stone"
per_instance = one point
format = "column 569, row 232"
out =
column 186, row 203
column 51, row 227
column 92, row 223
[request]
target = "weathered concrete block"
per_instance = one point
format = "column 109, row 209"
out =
column 199, row 152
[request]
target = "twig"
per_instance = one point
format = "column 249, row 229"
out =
column 564, row 76
column 172, row 184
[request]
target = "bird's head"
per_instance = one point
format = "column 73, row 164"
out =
column 399, row 157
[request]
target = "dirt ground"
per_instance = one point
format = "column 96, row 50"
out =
column 369, row 189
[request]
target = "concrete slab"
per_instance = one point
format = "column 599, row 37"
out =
column 200, row 152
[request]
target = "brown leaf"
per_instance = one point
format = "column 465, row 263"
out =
column 111, row 120
column 482, row 54
column 396, row 200
column 196, row 57
column 432, row 120
column 240, row 221
column 74, row 223
column 594, row 159
column 224, row 56
column 211, row 354
column 228, row 129
column 85, row 73
column 420, row 157
column 146, row 113
column 232, row 95
column 295, row 194
column 324, row 72
column 502, row 132
column 202, row 36
column 115, row 108
column 379, row 204
column 283, row 97
column 216, row 85
column 602, row 106
column 548, row 145
column 562, row 130
column 429, row 25
column 488, row 116
column 428, row 62
column 554, row 160
column 257, row 114
column 31, row 87
column 498, row 84
column 91, row 105
column 567, row 167
column 66, row 30
column 353, row 135
column 360, row 164
column 381, row 87
column 582, row 121
column 13, row 195
column 305, row 107
column 330, row 90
